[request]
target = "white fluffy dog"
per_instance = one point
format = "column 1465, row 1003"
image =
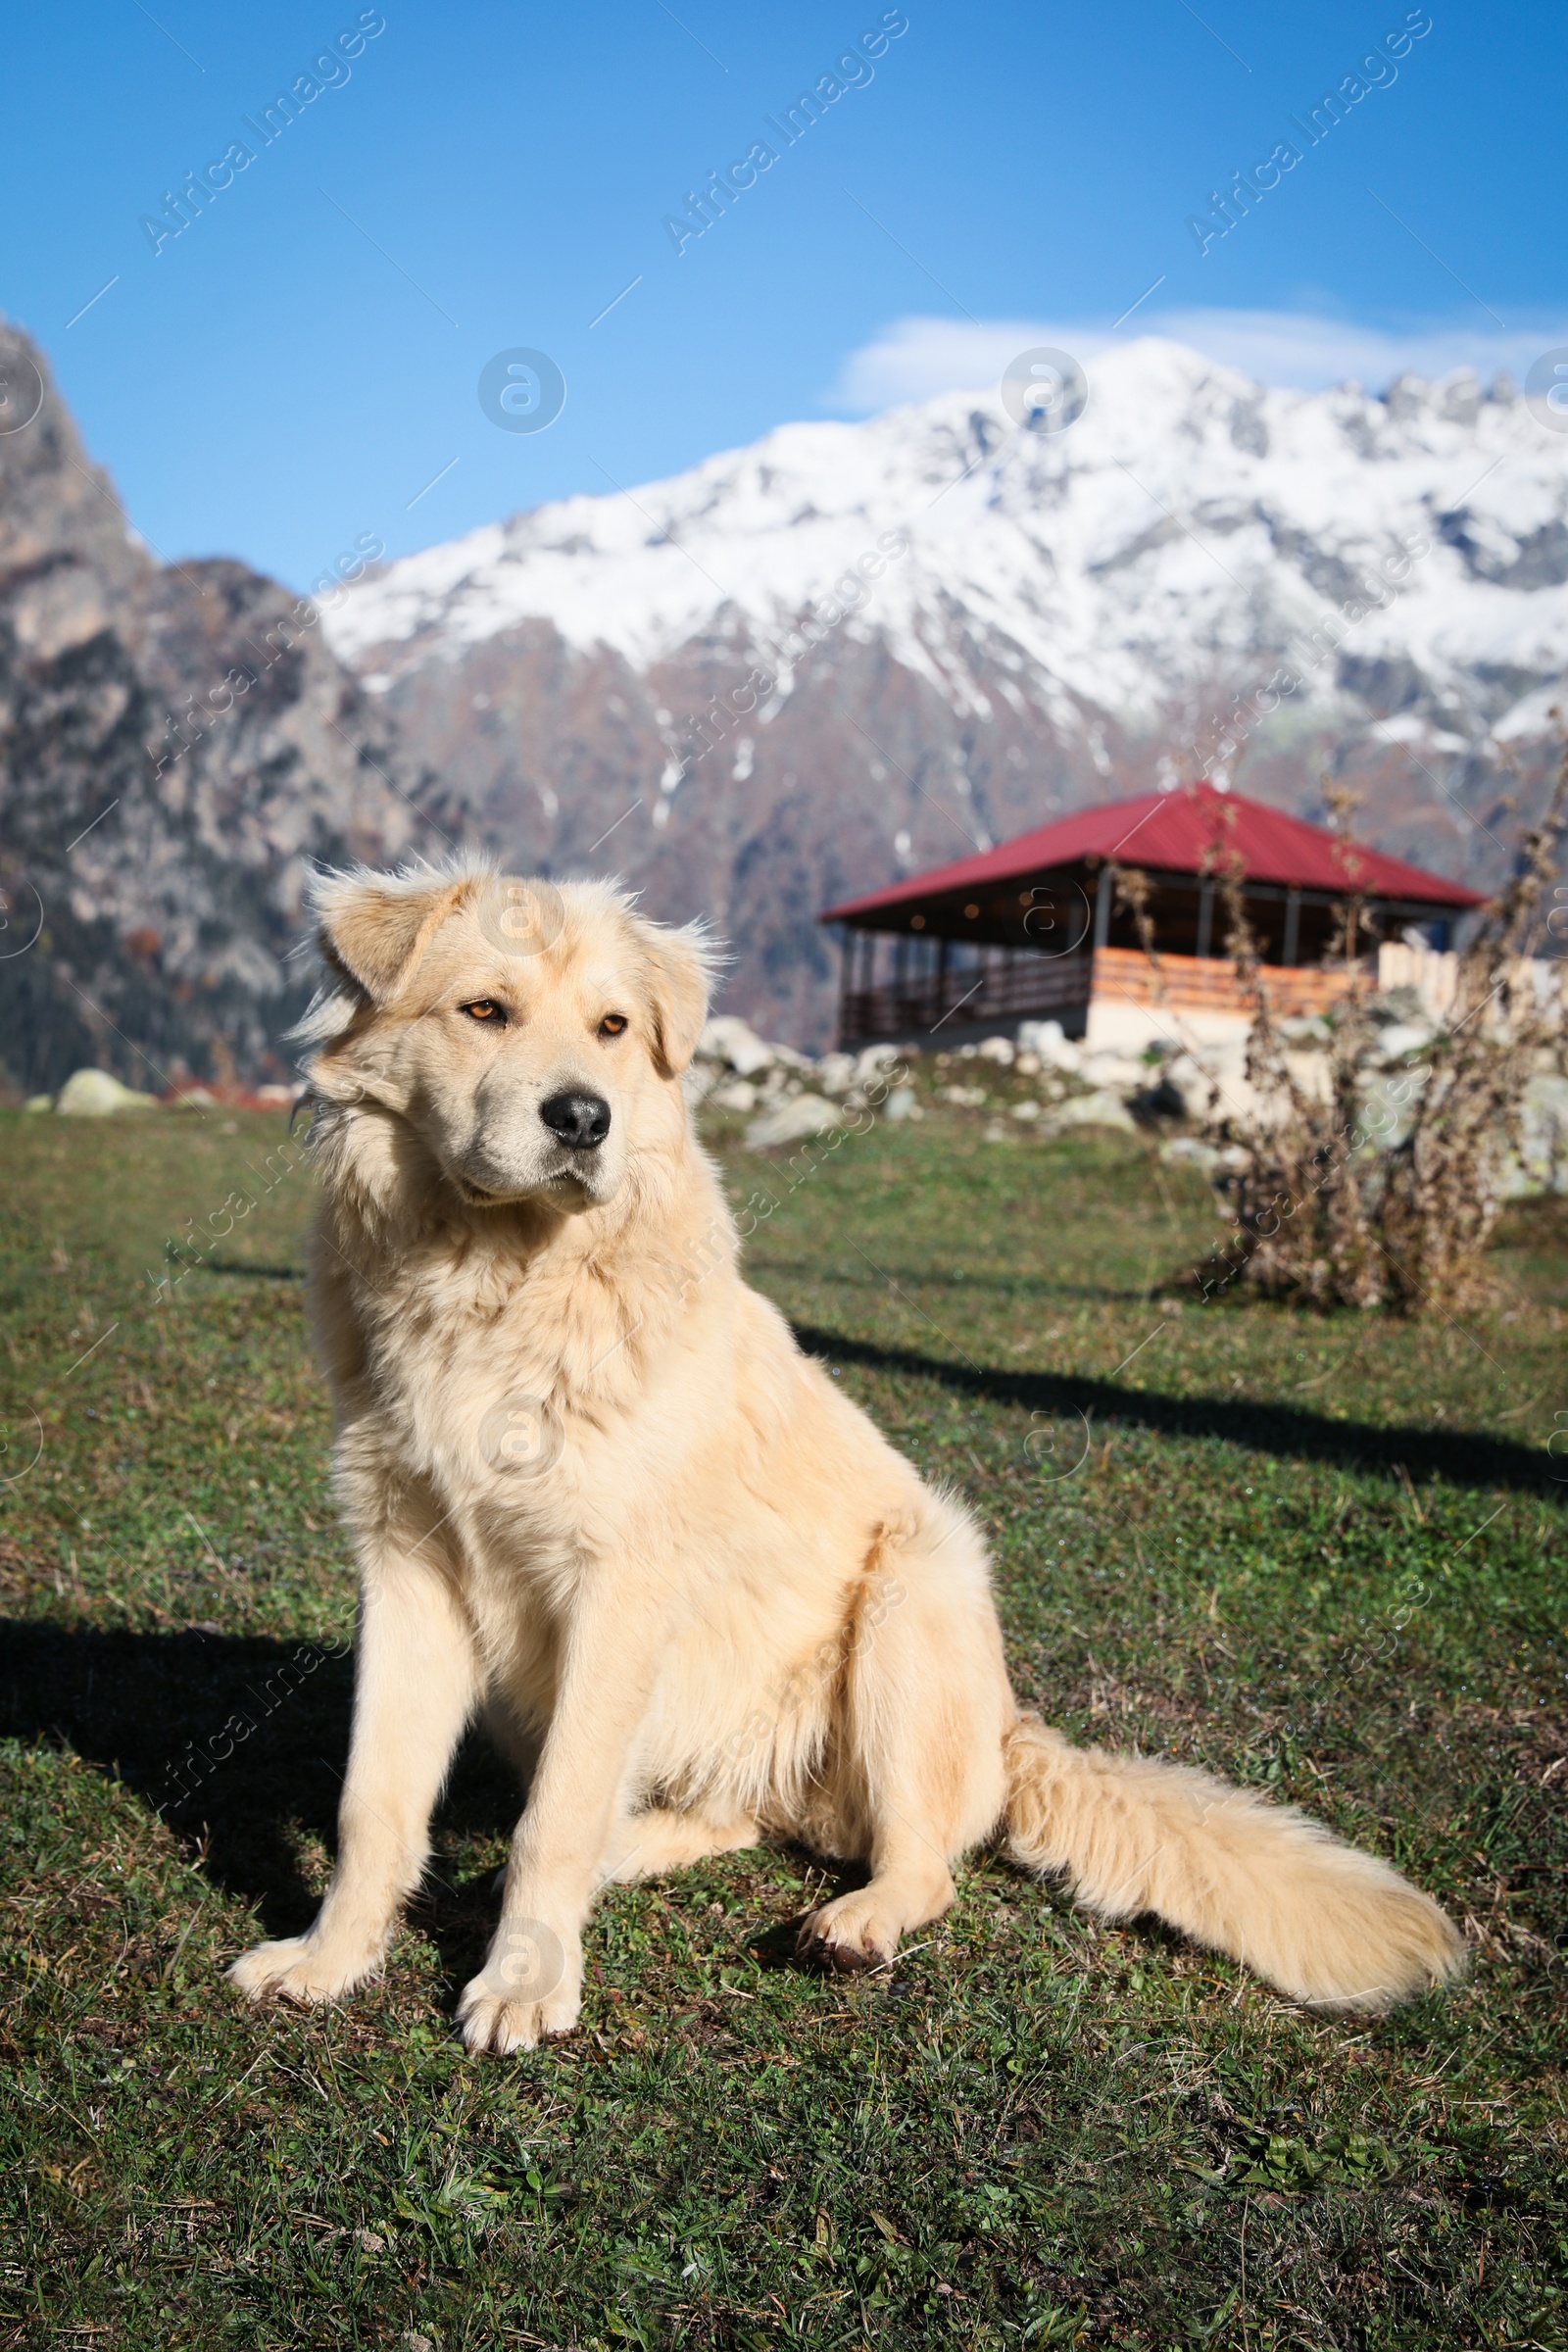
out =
column 598, row 1492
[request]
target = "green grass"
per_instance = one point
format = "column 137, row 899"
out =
column 1323, row 1555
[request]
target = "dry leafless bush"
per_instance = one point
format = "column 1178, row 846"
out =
column 1443, row 1192
column 1335, row 1206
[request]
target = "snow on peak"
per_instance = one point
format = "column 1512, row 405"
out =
column 1188, row 519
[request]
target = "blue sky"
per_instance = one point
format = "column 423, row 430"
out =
column 291, row 370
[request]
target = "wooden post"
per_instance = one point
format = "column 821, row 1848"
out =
column 1205, row 918
column 846, row 950
column 1292, row 925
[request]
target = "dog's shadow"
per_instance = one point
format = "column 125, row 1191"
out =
column 239, row 1743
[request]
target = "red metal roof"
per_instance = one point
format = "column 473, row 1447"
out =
column 1174, row 832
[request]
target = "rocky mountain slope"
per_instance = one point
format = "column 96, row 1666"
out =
column 857, row 650
column 177, row 743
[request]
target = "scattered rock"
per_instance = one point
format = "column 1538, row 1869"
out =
column 39, row 1102
column 1102, row 1108
column 803, row 1114
column 1403, row 1037
column 1389, row 1102
column 737, row 1094
column 1115, row 1071
column 902, row 1103
column 835, row 1073
column 1157, row 1098
column 95, row 1094
column 874, row 1059
column 1541, row 1165
column 1188, row 1151
column 998, row 1049
column 1026, row 1110
column 1189, row 1081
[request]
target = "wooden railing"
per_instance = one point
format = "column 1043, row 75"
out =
column 1010, row 987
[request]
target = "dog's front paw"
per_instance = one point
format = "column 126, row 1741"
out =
column 529, row 1989
column 491, row 2023
column 299, row 1970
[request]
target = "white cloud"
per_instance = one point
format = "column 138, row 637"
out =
column 916, row 358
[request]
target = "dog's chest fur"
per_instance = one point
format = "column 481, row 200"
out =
column 501, row 1381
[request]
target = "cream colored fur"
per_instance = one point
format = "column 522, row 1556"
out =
column 598, row 1492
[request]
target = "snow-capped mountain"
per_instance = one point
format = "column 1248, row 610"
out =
column 1188, row 517
column 804, row 667
column 764, row 686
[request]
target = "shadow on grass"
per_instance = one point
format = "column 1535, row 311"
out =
column 1460, row 1457
column 167, row 1715
column 251, row 1271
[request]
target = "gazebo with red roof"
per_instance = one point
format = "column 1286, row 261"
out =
column 1037, row 929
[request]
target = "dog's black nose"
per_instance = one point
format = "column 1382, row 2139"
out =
column 581, row 1120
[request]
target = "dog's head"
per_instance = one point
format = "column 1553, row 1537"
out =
column 530, row 1034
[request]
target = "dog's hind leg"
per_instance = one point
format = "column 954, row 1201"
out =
column 415, row 1685
column 917, row 1750
column 646, row 1845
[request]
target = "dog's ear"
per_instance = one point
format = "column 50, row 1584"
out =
column 373, row 928
column 678, row 966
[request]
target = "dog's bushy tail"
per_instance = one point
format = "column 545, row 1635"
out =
column 1319, row 1919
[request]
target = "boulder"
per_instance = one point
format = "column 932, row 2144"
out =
column 1540, row 1163
column 801, row 1115
column 998, row 1049
column 728, row 1039
column 902, row 1103
column 95, row 1094
column 835, row 1073
column 1049, row 1041
column 736, row 1094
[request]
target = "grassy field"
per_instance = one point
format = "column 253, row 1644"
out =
column 1322, row 1555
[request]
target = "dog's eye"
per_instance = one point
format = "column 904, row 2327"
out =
column 485, row 1008
column 613, row 1024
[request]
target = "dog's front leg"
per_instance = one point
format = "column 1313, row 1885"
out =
column 416, row 1683
column 531, row 1982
